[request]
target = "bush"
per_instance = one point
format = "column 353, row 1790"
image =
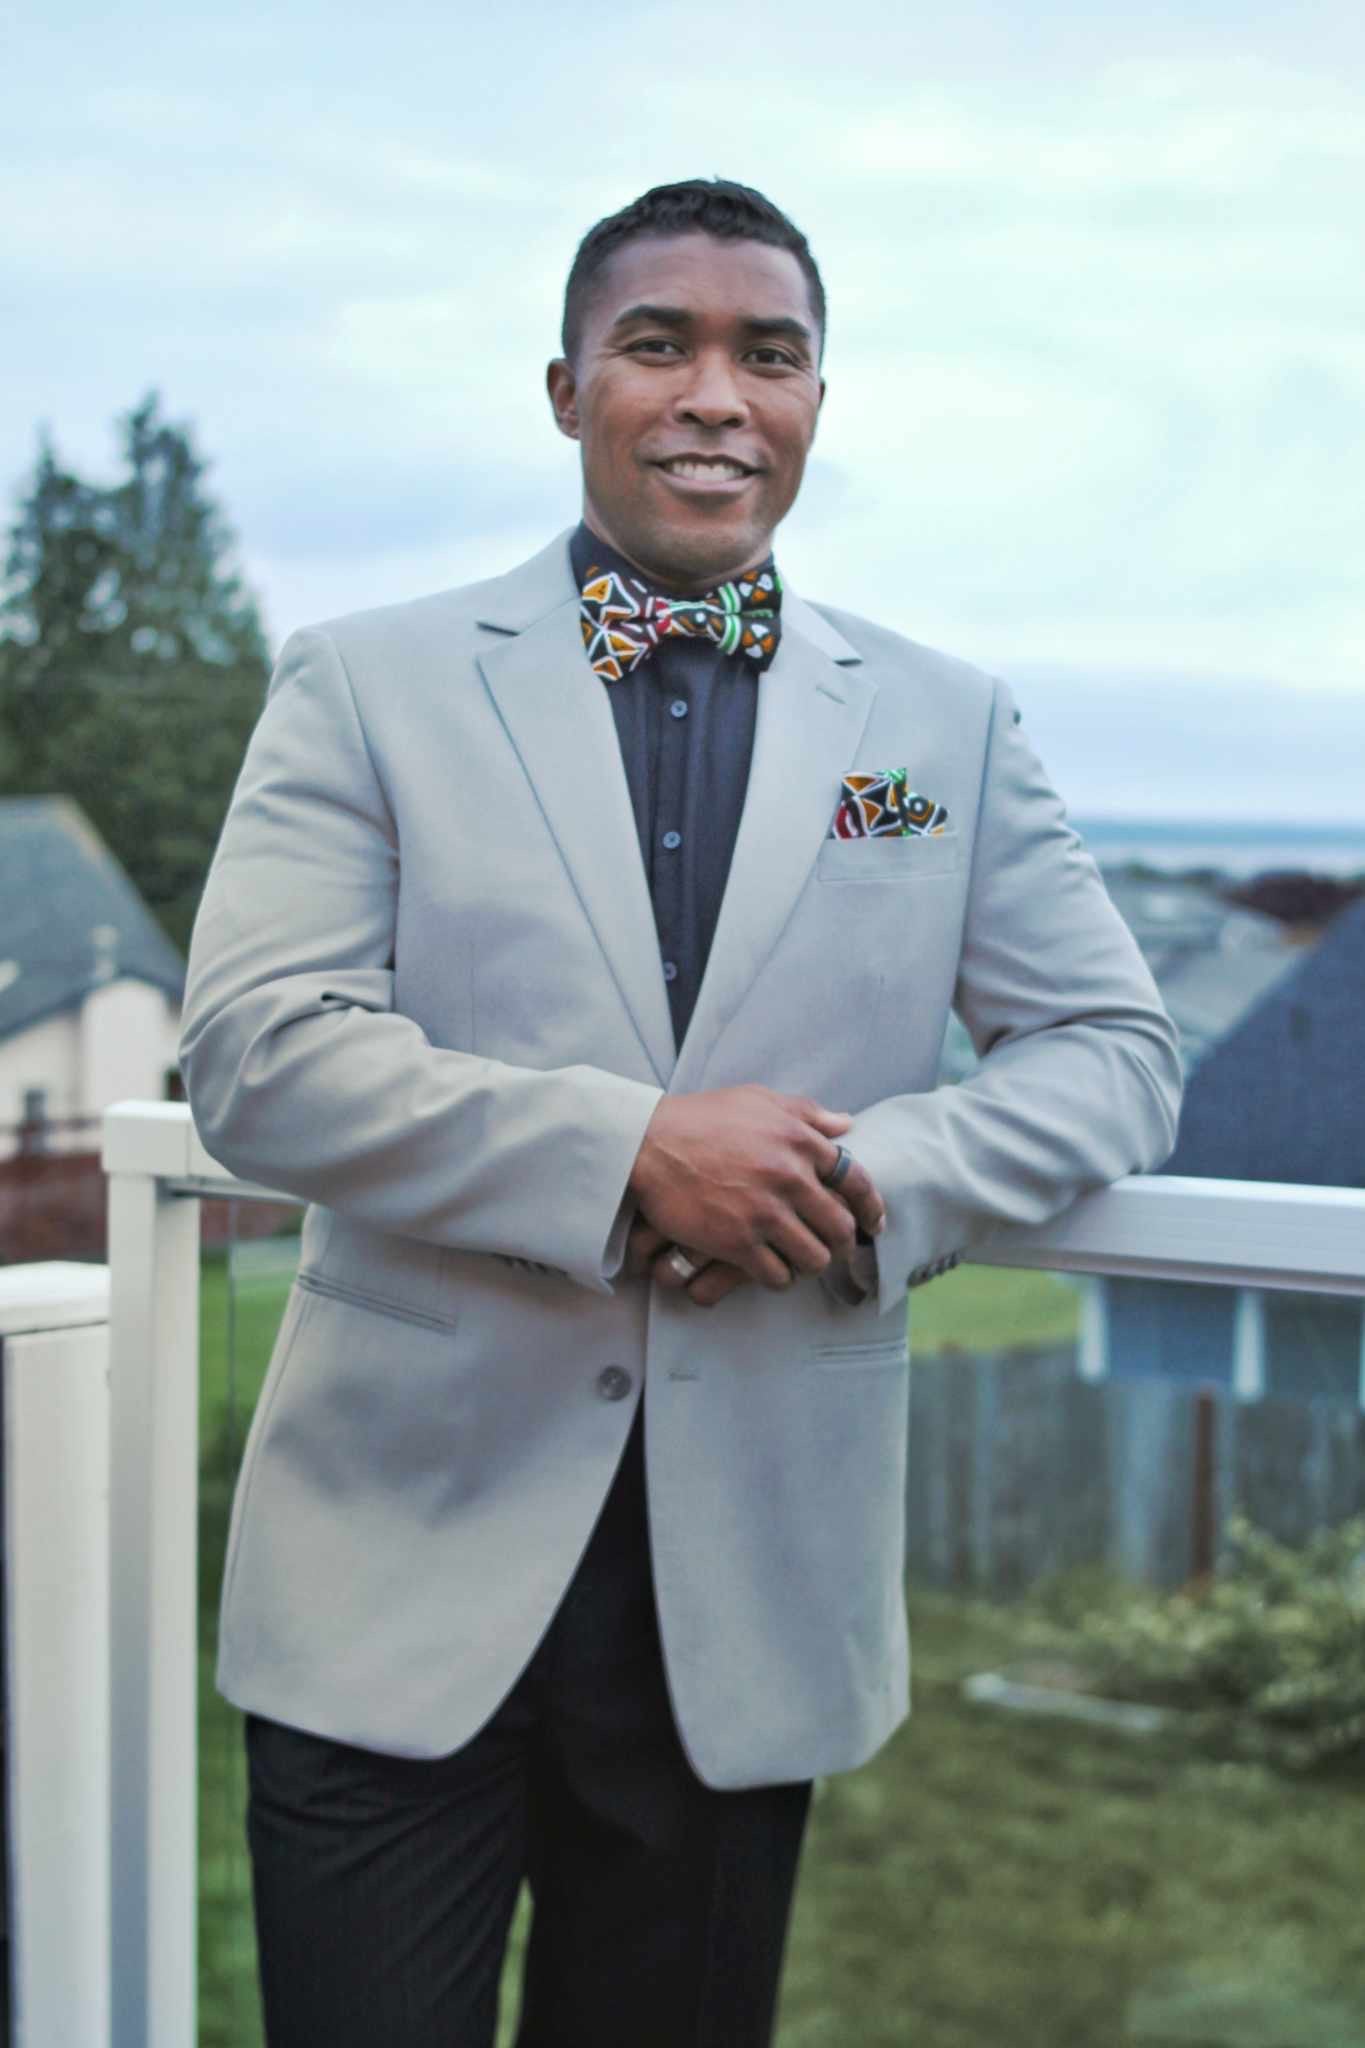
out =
column 1268, row 1657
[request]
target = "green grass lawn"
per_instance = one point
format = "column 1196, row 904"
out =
column 988, row 1880
column 992, row 1308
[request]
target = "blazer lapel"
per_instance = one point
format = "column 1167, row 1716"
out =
column 813, row 704
column 558, row 719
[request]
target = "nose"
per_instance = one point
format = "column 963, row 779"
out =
column 711, row 397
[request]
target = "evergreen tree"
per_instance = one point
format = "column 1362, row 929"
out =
column 133, row 665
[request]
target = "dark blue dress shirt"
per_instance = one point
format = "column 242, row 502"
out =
column 685, row 720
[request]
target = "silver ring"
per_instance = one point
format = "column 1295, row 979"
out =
column 839, row 1168
column 685, row 1268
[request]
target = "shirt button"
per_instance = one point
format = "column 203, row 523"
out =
column 678, row 708
column 670, row 970
column 672, row 839
column 613, row 1384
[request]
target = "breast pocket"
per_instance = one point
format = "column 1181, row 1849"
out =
column 891, row 859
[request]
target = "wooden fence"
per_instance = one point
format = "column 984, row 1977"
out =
column 1019, row 1469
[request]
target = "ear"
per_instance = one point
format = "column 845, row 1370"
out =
column 562, row 386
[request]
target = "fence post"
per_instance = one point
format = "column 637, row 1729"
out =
column 154, row 1357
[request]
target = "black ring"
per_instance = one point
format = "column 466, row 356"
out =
column 839, row 1168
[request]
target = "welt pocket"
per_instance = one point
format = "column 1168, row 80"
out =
column 913, row 858
column 378, row 1304
column 884, row 1352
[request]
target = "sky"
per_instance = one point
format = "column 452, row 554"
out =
column 1096, row 354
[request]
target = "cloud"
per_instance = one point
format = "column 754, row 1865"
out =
column 1124, row 744
column 1097, row 347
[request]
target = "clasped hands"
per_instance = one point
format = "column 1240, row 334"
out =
column 733, row 1176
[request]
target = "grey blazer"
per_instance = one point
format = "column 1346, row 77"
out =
column 425, row 995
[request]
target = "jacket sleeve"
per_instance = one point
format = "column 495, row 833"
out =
column 300, row 1073
column 1080, row 1078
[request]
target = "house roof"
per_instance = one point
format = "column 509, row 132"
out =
column 70, row 917
column 1212, row 961
column 1209, row 991
column 1173, row 917
column 1280, row 1097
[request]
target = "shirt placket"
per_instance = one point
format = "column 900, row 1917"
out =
column 675, row 723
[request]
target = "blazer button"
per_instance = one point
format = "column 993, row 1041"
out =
column 613, row 1384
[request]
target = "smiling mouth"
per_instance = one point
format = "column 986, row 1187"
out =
column 705, row 469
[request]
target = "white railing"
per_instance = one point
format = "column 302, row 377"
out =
column 1225, row 1233
column 54, row 1346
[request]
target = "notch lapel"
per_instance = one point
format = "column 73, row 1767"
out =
column 557, row 716
column 813, row 705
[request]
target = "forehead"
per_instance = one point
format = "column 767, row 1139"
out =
column 698, row 274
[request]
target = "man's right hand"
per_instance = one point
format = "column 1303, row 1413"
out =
column 735, row 1174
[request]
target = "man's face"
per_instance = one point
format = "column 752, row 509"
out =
column 694, row 394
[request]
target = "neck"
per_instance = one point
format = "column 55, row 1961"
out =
column 674, row 581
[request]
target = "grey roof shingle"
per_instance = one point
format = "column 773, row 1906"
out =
column 60, row 883
column 1209, row 992
column 1281, row 1097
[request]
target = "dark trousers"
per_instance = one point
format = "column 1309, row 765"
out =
column 384, row 1886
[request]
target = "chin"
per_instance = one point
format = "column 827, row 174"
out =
column 706, row 551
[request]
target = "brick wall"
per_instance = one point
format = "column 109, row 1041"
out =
column 53, row 1206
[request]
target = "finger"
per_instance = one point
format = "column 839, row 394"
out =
column 643, row 1242
column 827, row 1216
column 763, row 1263
column 857, row 1190
column 864, row 1198
column 719, row 1279
column 804, row 1250
column 666, row 1275
column 771, row 1269
column 833, row 1122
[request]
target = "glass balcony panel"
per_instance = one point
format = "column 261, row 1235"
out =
column 1313, row 1348
column 1171, row 1330
column 244, row 1284
column 1037, row 1855
column 1127, row 1806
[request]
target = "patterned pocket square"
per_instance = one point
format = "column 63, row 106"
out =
column 880, row 804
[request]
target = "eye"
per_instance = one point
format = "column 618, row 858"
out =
column 770, row 357
column 652, row 342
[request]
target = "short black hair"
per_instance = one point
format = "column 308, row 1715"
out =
column 707, row 206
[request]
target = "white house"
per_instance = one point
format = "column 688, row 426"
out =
column 90, row 986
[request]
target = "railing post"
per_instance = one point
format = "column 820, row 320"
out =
column 1248, row 1345
column 54, row 1359
column 154, row 1347
column 1092, row 1351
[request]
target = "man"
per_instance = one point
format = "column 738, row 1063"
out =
column 580, row 946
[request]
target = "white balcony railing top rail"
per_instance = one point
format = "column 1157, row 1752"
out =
column 1233, row 1233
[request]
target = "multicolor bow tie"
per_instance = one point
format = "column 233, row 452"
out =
column 623, row 620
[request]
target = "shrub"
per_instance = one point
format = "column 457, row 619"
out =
column 1268, row 1656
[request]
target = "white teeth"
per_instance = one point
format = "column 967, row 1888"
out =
column 681, row 466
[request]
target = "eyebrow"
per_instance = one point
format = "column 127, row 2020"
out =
column 679, row 317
